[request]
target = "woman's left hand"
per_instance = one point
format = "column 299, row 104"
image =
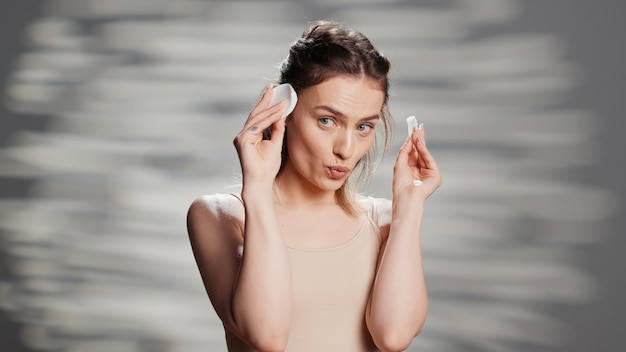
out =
column 415, row 171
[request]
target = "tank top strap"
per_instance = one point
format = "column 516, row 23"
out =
column 372, row 212
column 238, row 197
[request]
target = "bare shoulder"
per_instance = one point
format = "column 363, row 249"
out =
column 217, row 204
column 208, row 214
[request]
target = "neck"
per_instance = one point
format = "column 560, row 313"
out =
column 293, row 189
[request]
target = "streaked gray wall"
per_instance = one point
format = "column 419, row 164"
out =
column 141, row 100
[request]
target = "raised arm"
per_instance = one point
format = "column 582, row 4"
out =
column 398, row 303
column 251, row 294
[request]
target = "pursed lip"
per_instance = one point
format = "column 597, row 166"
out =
column 338, row 172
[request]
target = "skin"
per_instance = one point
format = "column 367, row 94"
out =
column 327, row 131
column 331, row 128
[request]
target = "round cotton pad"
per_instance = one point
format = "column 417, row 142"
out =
column 285, row 92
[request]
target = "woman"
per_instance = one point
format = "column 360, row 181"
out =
column 299, row 261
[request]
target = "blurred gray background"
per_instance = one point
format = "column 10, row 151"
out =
column 117, row 113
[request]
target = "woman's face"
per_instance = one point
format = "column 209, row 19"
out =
column 331, row 129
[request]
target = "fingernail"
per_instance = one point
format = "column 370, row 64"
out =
column 421, row 126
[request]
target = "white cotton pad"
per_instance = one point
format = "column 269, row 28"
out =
column 285, row 92
column 411, row 123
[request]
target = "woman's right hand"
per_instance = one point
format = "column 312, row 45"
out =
column 260, row 159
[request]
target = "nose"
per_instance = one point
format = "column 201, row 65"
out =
column 344, row 144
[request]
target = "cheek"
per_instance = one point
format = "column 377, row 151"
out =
column 302, row 144
column 307, row 139
column 366, row 145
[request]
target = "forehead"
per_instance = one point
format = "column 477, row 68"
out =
column 352, row 96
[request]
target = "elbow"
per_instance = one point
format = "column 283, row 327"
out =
column 269, row 342
column 396, row 339
column 393, row 344
column 263, row 334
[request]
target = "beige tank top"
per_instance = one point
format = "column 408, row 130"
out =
column 330, row 291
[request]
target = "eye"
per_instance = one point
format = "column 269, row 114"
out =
column 365, row 128
column 325, row 121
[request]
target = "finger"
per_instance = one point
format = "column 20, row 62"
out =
column 264, row 119
column 264, row 102
column 416, row 137
column 415, row 143
column 254, row 134
column 259, row 114
column 260, row 110
column 405, row 150
column 278, row 131
column 421, row 133
column 426, row 159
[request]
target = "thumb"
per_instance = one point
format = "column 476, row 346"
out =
column 278, row 131
column 403, row 154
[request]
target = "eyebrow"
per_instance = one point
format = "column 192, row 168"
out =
column 342, row 115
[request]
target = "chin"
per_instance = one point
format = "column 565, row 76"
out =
column 332, row 185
